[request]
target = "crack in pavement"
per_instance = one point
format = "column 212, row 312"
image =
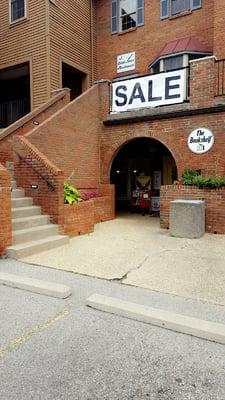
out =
column 130, row 270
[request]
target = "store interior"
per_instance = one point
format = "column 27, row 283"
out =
column 138, row 170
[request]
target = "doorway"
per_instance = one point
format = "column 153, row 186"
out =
column 73, row 79
column 14, row 93
column 138, row 170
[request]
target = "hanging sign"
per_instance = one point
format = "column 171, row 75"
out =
column 200, row 140
column 126, row 62
column 149, row 91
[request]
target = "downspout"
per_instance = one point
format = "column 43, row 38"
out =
column 92, row 42
column 48, row 50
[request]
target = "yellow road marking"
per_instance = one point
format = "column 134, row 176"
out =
column 28, row 334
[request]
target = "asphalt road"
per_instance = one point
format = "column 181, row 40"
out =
column 53, row 349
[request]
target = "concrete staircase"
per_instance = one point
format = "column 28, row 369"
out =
column 32, row 231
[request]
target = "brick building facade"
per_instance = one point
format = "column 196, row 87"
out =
column 136, row 52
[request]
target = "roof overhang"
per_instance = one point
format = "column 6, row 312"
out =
column 188, row 45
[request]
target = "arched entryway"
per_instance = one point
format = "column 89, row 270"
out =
column 138, row 170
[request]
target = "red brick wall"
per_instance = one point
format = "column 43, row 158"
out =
column 78, row 218
column 105, row 204
column 5, row 211
column 173, row 133
column 104, row 209
column 219, row 33
column 70, row 139
column 31, row 167
column 202, row 83
column 25, row 124
column 81, row 217
column 214, row 201
column 148, row 40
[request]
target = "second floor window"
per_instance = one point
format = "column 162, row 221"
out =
column 174, row 7
column 17, row 10
column 126, row 14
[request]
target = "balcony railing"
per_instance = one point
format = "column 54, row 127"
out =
column 11, row 111
column 220, row 77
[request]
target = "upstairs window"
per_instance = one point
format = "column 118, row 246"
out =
column 17, row 9
column 173, row 63
column 169, row 8
column 126, row 14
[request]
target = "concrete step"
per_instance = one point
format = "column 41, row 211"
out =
column 13, row 185
column 37, row 246
column 17, row 193
column 21, row 202
column 29, row 222
column 34, row 233
column 25, row 211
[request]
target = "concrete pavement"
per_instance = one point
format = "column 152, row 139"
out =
column 53, row 349
column 134, row 250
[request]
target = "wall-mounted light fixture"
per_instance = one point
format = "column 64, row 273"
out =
column 118, row 171
column 34, row 186
column 35, row 122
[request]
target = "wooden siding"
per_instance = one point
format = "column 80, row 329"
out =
column 70, row 38
column 26, row 41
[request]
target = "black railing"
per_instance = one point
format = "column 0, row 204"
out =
column 11, row 111
column 220, row 77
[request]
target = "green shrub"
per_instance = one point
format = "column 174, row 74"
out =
column 71, row 195
column 188, row 176
column 192, row 177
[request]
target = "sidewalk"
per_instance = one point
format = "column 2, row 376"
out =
column 134, row 250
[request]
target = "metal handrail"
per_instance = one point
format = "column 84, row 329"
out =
column 46, row 180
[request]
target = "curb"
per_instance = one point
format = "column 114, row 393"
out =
column 35, row 285
column 203, row 329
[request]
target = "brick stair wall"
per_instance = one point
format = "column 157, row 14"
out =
column 5, row 210
column 26, row 123
column 33, row 168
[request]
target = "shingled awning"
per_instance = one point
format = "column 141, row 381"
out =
column 183, row 45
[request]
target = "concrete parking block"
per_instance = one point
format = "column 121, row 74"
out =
column 176, row 322
column 35, row 285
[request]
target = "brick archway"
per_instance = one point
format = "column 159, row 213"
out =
column 109, row 155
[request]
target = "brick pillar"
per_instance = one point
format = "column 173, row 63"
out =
column 5, row 211
column 218, row 35
column 202, row 82
column 104, row 99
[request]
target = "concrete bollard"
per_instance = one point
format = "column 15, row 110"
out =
column 187, row 218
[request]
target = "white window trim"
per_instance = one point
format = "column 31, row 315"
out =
column 121, row 16
column 19, row 19
column 177, row 14
column 185, row 55
column 116, row 16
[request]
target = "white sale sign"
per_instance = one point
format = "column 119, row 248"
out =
column 149, row 91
